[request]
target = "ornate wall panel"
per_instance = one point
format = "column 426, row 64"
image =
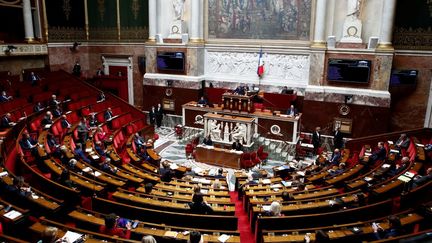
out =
column 66, row 20
column 102, row 19
column 134, row 19
column 413, row 25
column 259, row 19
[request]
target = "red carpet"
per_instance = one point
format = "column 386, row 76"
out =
column 246, row 234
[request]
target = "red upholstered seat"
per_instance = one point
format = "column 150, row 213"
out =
column 246, row 161
column 189, row 149
column 261, row 154
column 255, row 159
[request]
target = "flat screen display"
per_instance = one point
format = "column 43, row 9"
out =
column 403, row 77
column 344, row 70
column 171, row 61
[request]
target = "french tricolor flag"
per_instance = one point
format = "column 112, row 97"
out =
column 260, row 70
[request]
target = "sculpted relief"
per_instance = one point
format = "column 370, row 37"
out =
column 282, row 67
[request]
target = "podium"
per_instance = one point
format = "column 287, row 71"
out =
column 237, row 103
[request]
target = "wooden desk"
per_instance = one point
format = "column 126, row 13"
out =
column 289, row 126
column 237, row 103
column 218, row 156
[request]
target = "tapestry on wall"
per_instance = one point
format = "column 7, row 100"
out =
column 413, row 31
column 66, row 20
column 259, row 19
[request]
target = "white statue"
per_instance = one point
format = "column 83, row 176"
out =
column 226, row 133
column 239, row 132
column 353, row 8
column 178, row 6
column 215, row 130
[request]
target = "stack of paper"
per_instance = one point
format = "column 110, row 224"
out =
column 71, row 236
column 13, row 214
column 223, row 238
column 172, row 234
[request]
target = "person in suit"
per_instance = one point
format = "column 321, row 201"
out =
column 208, row 141
column 395, row 228
column 99, row 72
column 202, row 101
column 166, row 174
column 4, row 97
column 159, row 115
column 53, row 102
column 284, row 90
column 47, row 120
column 336, row 157
column 139, row 141
column 65, row 180
column 195, row 237
column 108, row 114
column 6, row 121
column 237, row 146
column 57, row 111
column 28, row 143
column 38, row 107
column 34, row 79
column 379, row 154
column 399, row 168
column 403, row 142
column 106, row 166
column 199, row 206
column 152, row 115
column 93, row 121
column 338, row 138
column 19, row 188
column 292, row 111
column 53, row 144
column 101, row 97
column 76, row 69
column 79, row 152
column 316, row 139
column 65, row 123
column 99, row 148
column 240, row 90
column 420, row 180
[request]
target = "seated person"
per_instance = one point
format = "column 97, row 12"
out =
column 198, row 205
column 49, row 235
column 195, row 237
column 379, row 154
column 48, row 119
column 139, row 141
column 65, row 123
column 6, row 121
column 208, row 141
column 107, row 167
column 4, row 97
column 53, row 144
column 166, row 174
column 101, row 97
column 338, row 171
column 80, row 153
column 57, row 111
column 19, row 188
column 403, row 142
column 320, row 236
column 65, row 180
column 395, row 228
column 111, row 227
column 38, row 107
column 101, row 135
column 53, row 101
column 108, row 114
column 220, row 174
column 202, row 101
column 148, row 239
column 28, row 143
column 99, row 148
column 148, row 188
column 240, row 90
column 336, row 157
column 292, row 111
column 237, row 146
column 275, row 209
column 420, row 180
column 284, row 90
column 399, row 168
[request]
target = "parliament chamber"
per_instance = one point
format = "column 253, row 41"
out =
column 215, row 121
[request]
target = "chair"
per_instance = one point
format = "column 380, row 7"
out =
column 255, row 159
column 189, row 150
column 246, row 161
column 261, row 154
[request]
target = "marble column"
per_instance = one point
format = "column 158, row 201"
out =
column 195, row 21
column 159, row 15
column 319, row 31
column 28, row 21
column 387, row 21
column 152, row 20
